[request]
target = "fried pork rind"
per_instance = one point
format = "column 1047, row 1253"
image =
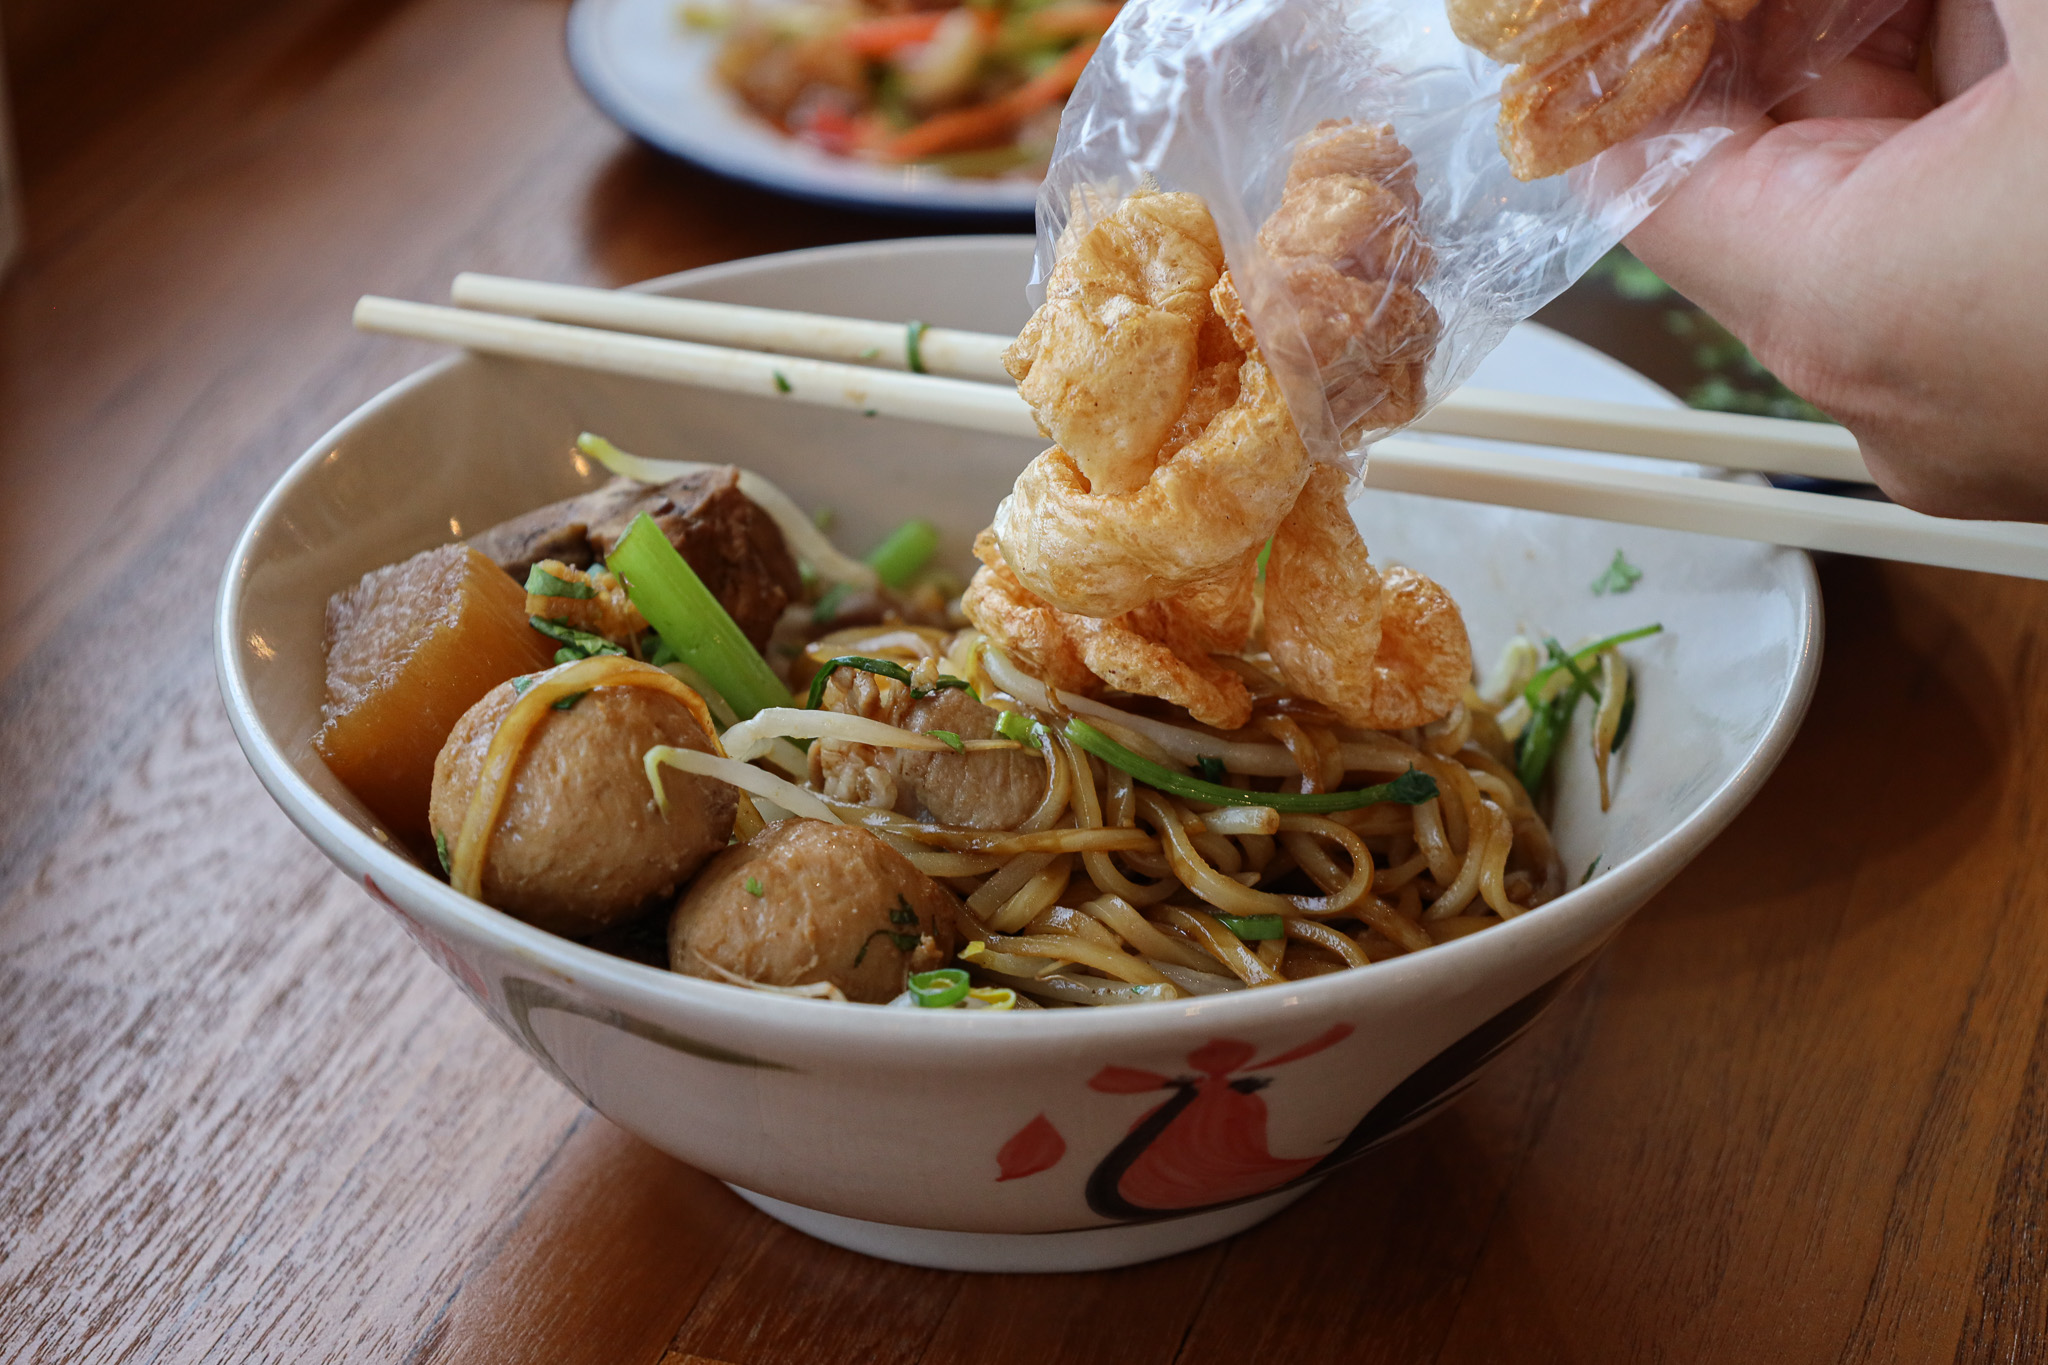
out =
column 1557, row 116
column 1034, row 634
column 1108, row 361
column 1591, row 73
column 1347, row 246
column 1384, row 651
column 1230, row 466
column 1160, row 650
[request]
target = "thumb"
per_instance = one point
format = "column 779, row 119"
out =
column 1700, row 237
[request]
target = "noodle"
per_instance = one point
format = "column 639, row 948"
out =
column 1092, row 898
column 1123, row 919
column 1037, row 894
column 1111, row 962
column 1088, row 814
column 1323, row 936
column 1225, row 946
column 1009, row 879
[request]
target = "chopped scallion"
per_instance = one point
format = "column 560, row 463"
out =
column 1253, row 928
column 1533, row 691
column 908, row 549
column 1015, row 725
column 1411, row 788
column 953, row 740
column 781, row 382
column 1548, row 720
column 905, row 943
column 913, row 346
column 753, row 885
column 940, row 989
column 441, row 848
column 1573, row 667
column 1211, row 768
column 675, row 602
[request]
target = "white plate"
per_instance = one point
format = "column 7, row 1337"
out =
column 653, row 77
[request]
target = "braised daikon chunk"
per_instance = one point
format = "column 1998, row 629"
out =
column 409, row 649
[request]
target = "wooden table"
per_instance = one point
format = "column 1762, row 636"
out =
column 1798, row 1113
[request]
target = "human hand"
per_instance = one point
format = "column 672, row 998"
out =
column 1883, row 250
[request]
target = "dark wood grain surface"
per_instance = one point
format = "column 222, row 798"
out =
column 1799, row 1112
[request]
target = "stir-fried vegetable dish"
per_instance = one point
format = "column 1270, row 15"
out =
column 971, row 89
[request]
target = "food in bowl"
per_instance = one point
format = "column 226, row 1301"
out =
column 868, row 798
column 973, row 90
column 1179, row 736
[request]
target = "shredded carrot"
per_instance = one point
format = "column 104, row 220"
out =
column 1053, row 84
column 980, row 124
column 891, row 33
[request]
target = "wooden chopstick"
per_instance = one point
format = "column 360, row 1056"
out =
column 816, row 383
column 1399, row 464
column 940, row 350
column 1729, row 440
column 1739, row 511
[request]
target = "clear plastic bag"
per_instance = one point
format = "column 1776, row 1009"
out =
column 1280, row 115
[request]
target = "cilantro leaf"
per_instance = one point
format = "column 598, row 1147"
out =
column 541, row 583
column 588, row 645
column 1619, row 577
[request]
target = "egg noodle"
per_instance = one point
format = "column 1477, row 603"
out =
column 1114, row 890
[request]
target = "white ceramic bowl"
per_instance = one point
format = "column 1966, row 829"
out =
column 1059, row 1139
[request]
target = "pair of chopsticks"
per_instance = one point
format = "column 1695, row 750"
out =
column 956, row 378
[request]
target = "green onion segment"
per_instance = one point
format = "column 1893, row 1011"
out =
column 1548, row 720
column 908, row 549
column 541, row 583
column 881, row 668
column 675, row 602
column 936, row 990
column 1531, row 693
column 895, row 561
column 913, row 346
column 1015, row 725
column 1411, row 788
column 1254, row 927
